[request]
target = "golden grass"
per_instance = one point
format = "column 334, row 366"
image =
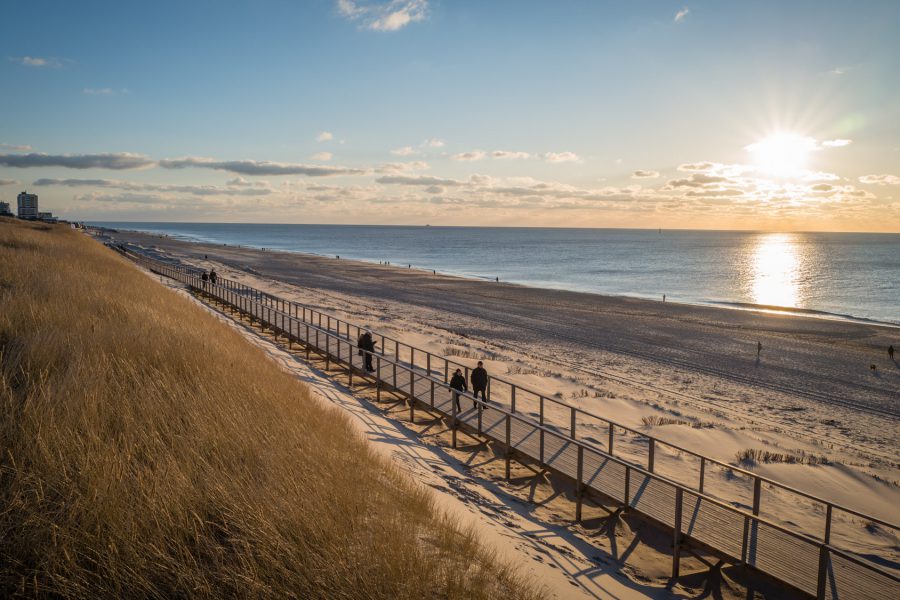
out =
column 149, row 451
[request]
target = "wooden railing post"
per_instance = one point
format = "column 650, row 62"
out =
column 611, row 434
column 572, row 424
column 378, row 378
column 579, row 488
column 412, row 396
column 822, row 577
column 651, row 458
column 827, row 538
column 512, row 395
column 508, row 443
column 702, row 473
column 676, row 539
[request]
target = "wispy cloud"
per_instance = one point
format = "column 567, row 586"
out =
column 324, row 136
column 880, row 179
column 104, row 91
column 257, row 167
column 15, row 148
column 508, row 154
column 433, row 143
column 322, row 156
column 836, row 143
column 423, row 180
column 196, row 190
column 8, row 182
column 38, row 61
column 115, row 161
column 384, row 16
column 471, row 155
column 404, row 151
column 560, row 157
column 641, row 174
column 681, row 15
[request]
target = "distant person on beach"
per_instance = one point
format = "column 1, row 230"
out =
column 366, row 348
column 458, row 384
column 891, row 352
column 758, row 349
column 664, row 297
column 479, row 379
column 213, row 277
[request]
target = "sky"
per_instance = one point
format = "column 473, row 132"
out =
column 704, row 115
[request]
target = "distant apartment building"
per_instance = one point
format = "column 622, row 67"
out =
column 28, row 206
column 4, row 210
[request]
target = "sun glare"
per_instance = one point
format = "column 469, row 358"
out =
column 783, row 154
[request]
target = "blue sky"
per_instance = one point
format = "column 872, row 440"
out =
column 638, row 114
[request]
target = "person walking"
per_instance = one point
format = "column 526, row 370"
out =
column 213, row 276
column 366, row 348
column 457, row 384
column 758, row 349
column 479, row 379
column 891, row 352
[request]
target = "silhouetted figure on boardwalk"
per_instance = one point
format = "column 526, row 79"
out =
column 479, row 379
column 366, row 348
column 204, row 278
column 213, row 276
column 458, row 384
column 891, row 352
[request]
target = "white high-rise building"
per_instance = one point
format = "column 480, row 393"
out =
column 28, row 206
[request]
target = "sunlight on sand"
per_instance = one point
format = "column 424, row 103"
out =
column 775, row 269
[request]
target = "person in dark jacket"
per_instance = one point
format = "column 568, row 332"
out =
column 366, row 348
column 479, row 379
column 213, row 276
column 458, row 384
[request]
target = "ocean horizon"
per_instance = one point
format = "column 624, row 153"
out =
column 828, row 275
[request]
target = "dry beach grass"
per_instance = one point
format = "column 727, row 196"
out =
column 149, row 451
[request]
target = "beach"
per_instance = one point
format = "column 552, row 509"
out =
column 809, row 394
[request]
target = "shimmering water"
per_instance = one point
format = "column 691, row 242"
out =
column 845, row 274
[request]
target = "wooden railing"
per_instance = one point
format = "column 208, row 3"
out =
column 811, row 563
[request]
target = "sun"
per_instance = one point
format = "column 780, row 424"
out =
column 783, row 154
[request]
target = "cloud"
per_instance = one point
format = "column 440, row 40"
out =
column 15, row 148
column 324, row 136
column 641, row 174
column 507, row 154
column 115, row 161
column 257, row 167
column 423, row 180
column 836, row 143
column 36, row 61
column 404, row 151
column 560, row 157
column 103, row 91
column 8, row 182
column 472, row 155
column 696, row 180
column 697, row 166
column 681, row 15
column 384, row 16
column 416, row 165
column 323, row 156
column 433, row 143
column 880, row 179
column 197, row 190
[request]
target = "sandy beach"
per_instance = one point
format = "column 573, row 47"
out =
column 810, row 393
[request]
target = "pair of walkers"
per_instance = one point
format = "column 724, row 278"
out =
column 366, row 347
column 479, row 379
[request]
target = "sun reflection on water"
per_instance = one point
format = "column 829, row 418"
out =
column 774, row 273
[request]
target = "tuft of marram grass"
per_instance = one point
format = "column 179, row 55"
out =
column 150, row 451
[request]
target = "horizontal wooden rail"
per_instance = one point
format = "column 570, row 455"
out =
column 799, row 559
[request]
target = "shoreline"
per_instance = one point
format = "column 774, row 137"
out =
column 762, row 309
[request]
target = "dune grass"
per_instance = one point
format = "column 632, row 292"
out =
column 149, row 451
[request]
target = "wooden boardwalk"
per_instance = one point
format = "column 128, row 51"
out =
column 810, row 564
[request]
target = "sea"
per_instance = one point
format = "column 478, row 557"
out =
column 825, row 275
